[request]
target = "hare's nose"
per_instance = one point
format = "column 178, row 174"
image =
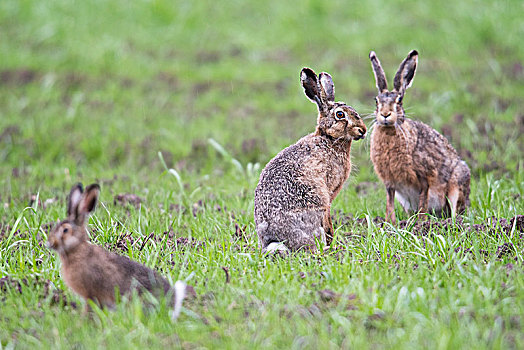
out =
column 362, row 133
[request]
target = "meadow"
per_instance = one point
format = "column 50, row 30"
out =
column 174, row 108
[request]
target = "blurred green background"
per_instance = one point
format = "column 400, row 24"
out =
column 102, row 86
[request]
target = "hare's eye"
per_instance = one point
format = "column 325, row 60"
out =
column 339, row 115
column 66, row 230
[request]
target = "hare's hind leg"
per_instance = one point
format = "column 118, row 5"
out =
column 269, row 242
column 458, row 192
column 295, row 230
column 453, row 198
column 302, row 229
column 423, row 198
column 328, row 227
column 463, row 201
column 465, row 189
column 265, row 235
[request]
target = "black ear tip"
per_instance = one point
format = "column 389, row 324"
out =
column 78, row 186
column 307, row 73
column 413, row 53
column 93, row 187
column 372, row 55
column 306, row 70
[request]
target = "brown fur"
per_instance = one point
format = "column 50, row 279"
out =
column 415, row 162
column 294, row 194
column 93, row 272
column 106, row 272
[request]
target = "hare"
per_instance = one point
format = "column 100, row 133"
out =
column 417, row 165
column 294, row 194
column 93, row 272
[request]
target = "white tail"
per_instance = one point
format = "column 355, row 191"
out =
column 276, row 248
column 180, row 294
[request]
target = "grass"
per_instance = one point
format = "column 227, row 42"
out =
column 121, row 93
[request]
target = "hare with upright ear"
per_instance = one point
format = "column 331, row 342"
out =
column 294, row 194
column 95, row 273
column 417, row 165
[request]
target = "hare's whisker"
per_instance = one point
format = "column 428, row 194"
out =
column 370, row 130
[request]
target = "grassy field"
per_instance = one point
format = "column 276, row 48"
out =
column 120, row 92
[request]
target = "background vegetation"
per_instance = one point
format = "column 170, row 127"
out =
column 119, row 92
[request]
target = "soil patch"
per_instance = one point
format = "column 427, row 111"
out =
column 7, row 282
column 492, row 225
column 56, row 296
column 331, row 299
column 17, row 77
column 127, row 199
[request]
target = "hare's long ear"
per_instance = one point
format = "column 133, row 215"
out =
column 87, row 203
column 380, row 76
column 327, row 87
column 406, row 72
column 74, row 199
column 309, row 81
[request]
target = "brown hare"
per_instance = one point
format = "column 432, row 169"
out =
column 95, row 273
column 417, row 165
column 294, row 194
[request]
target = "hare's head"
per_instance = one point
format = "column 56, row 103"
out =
column 71, row 232
column 389, row 111
column 335, row 119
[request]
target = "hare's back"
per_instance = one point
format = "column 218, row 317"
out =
column 431, row 141
column 433, row 151
column 282, row 185
column 133, row 272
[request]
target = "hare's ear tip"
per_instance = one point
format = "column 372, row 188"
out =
column 93, row 188
column 78, row 186
column 306, row 73
column 306, row 70
column 413, row 53
column 372, row 54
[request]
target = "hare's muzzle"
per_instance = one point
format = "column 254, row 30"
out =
column 52, row 243
column 360, row 133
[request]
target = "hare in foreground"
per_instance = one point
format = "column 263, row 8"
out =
column 417, row 165
column 93, row 272
column 294, row 194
